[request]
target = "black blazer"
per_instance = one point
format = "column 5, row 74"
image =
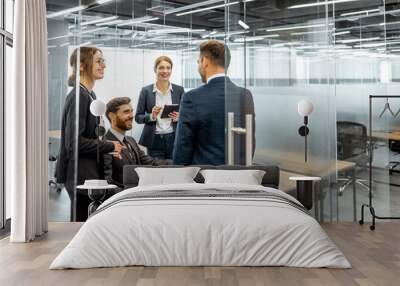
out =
column 147, row 100
column 88, row 167
column 200, row 136
column 113, row 167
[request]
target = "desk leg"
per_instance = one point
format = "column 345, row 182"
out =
column 316, row 193
column 353, row 177
column 321, row 202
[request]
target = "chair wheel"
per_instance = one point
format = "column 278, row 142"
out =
column 372, row 227
column 361, row 222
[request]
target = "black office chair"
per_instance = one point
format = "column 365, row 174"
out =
column 52, row 167
column 352, row 145
column 394, row 146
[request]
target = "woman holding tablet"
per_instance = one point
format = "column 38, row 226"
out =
column 158, row 134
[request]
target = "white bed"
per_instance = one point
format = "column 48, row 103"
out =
column 202, row 231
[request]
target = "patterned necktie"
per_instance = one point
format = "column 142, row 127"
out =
column 132, row 154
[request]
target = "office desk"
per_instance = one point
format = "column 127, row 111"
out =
column 391, row 135
column 292, row 164
column 386, row 136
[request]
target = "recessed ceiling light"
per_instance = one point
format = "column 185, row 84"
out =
column 320, row 3
column 358, row 40
column 100, row 2
column 137, row 21
column 341, row 33
column 284, row 28
column 243, row 25
column 359, row 12
column 66, row 11
column 207, row 8
column 99, row 21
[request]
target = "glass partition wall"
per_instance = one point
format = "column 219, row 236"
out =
column 62, row 39
column 332, row 55
column 284, row 61
column 131, row 35
column 368, row 67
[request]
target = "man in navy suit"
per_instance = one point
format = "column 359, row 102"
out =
column 200, row 135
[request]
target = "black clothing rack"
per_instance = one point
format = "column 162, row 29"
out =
column 370, row 205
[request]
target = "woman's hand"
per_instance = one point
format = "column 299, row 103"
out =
column 155, row 111
column 174, row 116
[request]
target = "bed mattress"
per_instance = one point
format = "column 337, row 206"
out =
column 201, row 225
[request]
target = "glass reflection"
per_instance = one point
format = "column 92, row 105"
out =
column 333, row 55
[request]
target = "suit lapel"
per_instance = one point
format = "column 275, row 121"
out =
column 152, row 99
column 174, row 96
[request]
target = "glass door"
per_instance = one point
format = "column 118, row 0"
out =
column 239, row 102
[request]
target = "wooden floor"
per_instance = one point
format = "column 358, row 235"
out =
column 375, row 257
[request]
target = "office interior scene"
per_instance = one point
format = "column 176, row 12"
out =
column 147, row 142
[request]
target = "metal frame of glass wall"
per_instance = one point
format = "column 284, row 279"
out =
column 6, row 39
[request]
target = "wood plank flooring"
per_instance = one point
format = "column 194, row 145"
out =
column 375, row 257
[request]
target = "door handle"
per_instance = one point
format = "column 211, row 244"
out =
column 247, row 131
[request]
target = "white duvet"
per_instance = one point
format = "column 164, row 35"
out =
column 200, row 231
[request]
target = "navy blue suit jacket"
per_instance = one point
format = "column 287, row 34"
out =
column 146, row 102
column 200, row 135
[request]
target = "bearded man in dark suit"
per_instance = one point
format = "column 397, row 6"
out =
column 120, row 114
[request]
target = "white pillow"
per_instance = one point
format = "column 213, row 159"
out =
column 166, row 176
column 248, row 177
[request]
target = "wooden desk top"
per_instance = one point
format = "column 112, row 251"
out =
column 54, row 133
column 294, row 162
column 394, row 135
column 344, row 165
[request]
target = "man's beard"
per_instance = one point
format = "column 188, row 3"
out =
column 121, row 124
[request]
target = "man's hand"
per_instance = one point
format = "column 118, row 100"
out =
column 117, row 149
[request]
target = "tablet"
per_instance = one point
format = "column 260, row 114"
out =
column 168, row 109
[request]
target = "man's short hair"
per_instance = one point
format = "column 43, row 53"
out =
column 114, row 104
column 217, row 52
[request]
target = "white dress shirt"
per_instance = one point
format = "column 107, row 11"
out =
column 163, row 125
column 215, row 76
column 117, row 134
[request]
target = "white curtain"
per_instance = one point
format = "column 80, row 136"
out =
column 27, row 123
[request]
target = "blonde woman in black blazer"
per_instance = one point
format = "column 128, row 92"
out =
column 91, row 69
column 158, row 134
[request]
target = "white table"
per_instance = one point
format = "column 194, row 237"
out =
column 96, row 194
